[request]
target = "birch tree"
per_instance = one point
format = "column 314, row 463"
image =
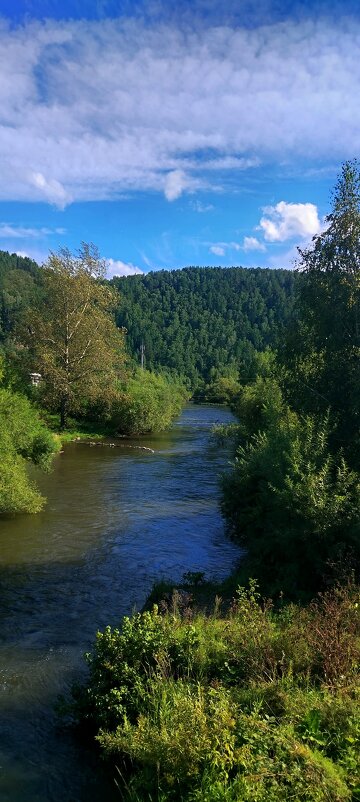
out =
column 75, row 343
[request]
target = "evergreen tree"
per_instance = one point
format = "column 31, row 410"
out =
column 201, row 322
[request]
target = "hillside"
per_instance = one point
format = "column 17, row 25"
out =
column 201, row 321
column 18, row 287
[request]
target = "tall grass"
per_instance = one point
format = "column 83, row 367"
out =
column 254, row 704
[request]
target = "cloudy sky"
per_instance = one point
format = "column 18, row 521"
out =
column 195, row 132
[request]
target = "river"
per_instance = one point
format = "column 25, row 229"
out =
column 118, row 518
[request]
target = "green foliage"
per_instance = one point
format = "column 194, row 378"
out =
column 203, row 721
column 323, row 348
column 23, row 439
column 66, row 332
column 19, row 287
column 144, row 402
column 220, row 391
column 291, row 497
column 201, row 322
column 258, row 406
column 292, row 504
column 251, row 705
column 148, row 402
column 71, row 335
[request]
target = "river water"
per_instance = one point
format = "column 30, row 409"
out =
column 117, row 518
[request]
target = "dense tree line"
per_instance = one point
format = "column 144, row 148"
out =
column 19, row 286
column 292, row 497
column 201, row 322
column 58, row 328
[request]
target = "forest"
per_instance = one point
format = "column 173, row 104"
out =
column 202, row 322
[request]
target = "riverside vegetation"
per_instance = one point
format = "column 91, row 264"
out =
column 250, row 705
column 259, row 700
column 60, row 321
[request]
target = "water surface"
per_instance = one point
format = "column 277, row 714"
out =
column 118, row 517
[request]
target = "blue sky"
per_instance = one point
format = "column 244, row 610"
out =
column 174, row 133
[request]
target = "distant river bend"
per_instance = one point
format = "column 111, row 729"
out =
column 116, row 520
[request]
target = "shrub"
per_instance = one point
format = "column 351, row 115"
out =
column 292, row 505
column 23, row 439
column 254, row 705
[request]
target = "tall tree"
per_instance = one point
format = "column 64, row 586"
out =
column 74, row 341
column 326, row 345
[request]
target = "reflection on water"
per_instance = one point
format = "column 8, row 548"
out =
column 117, row 519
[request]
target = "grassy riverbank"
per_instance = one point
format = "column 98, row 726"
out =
column 76, row 430
column 251, row 704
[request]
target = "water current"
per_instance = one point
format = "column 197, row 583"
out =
column 119, row 516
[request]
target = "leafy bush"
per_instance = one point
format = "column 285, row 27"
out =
column 222, row 390
column 23, row 439
column 290, row 502
column 251, row 705
column 147, row 403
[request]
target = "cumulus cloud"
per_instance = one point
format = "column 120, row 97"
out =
column 175, row 183
column 218, row 250
column 93, row 109
column 288, row 220
column 248, row 244
column 115, row 267
column 253, row 244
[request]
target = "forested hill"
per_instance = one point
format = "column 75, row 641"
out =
column 18, row 288
column 201, row 321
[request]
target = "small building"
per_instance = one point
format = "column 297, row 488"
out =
column 35, row 379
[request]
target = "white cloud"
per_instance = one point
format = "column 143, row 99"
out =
column 93, row 109
column 10, row 231
column 147, row 261
column 175, row 183
column 248, row 244
column 51, row 190
column 218, row 250
column 289, row 220
column 115, row 267
column 200, row 207
column 253, row 244
column 23, row 254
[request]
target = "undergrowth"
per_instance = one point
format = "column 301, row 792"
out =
column 252, row 705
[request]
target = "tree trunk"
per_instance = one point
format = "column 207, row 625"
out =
column 63, row 412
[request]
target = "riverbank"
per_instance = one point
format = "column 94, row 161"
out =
column 76, row 429
column 250, row 704
column 117, row 520
column 200, row 592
